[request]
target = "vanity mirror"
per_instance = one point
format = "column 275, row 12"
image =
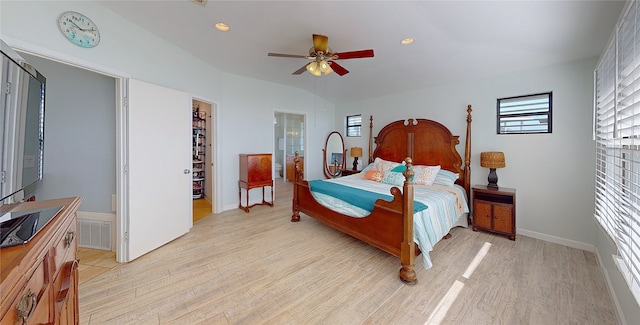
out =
column 335, row 155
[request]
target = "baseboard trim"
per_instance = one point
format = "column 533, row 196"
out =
column 98, row 216
column 557, row 240
column 620, row 314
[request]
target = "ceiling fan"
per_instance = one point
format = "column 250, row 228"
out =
column 323, row 58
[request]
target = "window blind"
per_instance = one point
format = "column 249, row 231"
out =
column 354, row 125
column 525, row 114
column 617, row 136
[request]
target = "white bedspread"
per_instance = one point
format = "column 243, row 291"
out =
column 445, row 206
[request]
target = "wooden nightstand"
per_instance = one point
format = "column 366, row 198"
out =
column 494, row 210
column 347, row 172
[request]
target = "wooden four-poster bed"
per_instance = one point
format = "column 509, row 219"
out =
column 390, row 224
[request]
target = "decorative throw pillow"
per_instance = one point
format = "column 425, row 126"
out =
column 425, row 175
column 400, row 169
column 374, row 175
column 393, row 178
column 384, row 165
column 445, row 178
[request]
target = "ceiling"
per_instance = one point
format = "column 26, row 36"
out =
column 455, row 41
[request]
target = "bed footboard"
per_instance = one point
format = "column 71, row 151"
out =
column 388, row 227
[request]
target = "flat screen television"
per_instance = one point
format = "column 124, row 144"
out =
column 21, row 126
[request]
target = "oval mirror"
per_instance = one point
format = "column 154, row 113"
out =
column 335, row 155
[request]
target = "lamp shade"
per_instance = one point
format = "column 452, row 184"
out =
column 492, row 159
column 356, row 152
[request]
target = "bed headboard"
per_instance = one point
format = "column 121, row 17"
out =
column 427, row 142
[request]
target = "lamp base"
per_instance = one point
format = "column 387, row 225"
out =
column 355, row 163
column 493, row 179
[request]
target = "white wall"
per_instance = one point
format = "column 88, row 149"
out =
column 553, row 173
column 246, row 106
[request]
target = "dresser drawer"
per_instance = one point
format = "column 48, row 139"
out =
column 32, row 303
column 65, row 247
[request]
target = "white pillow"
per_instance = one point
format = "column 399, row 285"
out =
column 425, row 175
column 445, row 178
column 368, row 168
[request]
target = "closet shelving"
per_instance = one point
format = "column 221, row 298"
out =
column 199, row 145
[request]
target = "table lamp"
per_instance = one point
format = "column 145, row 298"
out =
column 356, row 152
column 492, row 160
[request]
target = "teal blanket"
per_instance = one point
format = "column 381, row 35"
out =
column 355, row 196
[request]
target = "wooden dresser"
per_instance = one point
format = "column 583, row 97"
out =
column 40, row 278
column 255, row 172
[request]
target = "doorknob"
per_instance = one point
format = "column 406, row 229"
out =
column 187, row 171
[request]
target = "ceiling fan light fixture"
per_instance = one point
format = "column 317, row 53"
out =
column 314, row 69
column 323, row 58
column 324, row 66
column 222, row 27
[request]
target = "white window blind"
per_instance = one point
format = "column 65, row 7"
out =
column 617, row 135
column 525, row 114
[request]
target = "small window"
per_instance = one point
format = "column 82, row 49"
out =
column 525, row 114
column 354, row 125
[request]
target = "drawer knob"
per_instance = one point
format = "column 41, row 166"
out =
column 27, row 306
column 68, row 239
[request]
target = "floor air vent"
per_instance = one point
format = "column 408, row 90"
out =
column 94, row 234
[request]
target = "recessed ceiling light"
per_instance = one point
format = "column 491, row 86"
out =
column 222, row 27
column 408, row 41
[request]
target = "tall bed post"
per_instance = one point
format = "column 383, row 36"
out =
column 408, row 246
column 370, row 138
column 467, row 156
column 295, row 217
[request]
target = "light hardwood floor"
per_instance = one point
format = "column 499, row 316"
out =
column 201, row 209
column 259, row 268
column 94, row 262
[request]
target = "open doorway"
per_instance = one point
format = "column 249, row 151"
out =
column 289, row 136
column 202, row 154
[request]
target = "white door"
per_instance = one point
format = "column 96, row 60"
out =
column 159, row 167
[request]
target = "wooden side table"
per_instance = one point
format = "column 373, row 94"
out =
column 347, row 172
column 494, row 210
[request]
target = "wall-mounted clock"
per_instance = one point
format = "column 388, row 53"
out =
column 79, row 29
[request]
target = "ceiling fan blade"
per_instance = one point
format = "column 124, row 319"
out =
column 354, row 54
column 320, row 43
column 301, row 70
column 338, row 68
column 287, row 55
